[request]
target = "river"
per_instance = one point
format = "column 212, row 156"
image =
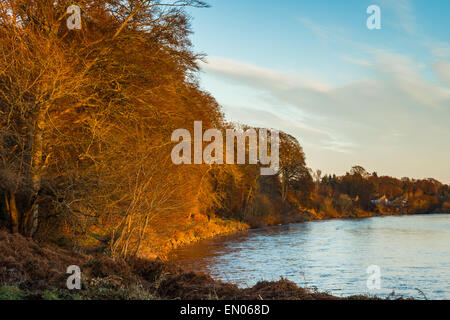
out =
column 411, row 252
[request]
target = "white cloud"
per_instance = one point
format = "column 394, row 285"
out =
column 322, row 31
column 396, row 113
column 356, row 61
column 310, row 135
column 404, row 13
column 442, row 69
column 404, row 74
column 253, row 75
column 398, row 80
column 438, row 49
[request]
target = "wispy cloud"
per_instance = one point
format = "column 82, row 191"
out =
column 309, row 135
column 253, row 75
column 398, row 79
column 356, row 61
column 323, row 32
column 438, row 49
column 336, row 145
column 404, row 74
column 378, row 96
column 404, row 12
column 442, row 69
column 377, row 115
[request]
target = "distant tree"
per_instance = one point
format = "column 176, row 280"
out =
column 444, row 193
column 293, row 172
column 317, row 176
column 358, row 170
column 357, row 186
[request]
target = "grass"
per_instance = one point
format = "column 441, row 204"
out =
column 11, row 293
column 29, row 271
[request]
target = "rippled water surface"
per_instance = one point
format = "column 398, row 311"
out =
column 333, row 256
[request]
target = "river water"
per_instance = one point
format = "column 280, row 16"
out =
column 411, row 252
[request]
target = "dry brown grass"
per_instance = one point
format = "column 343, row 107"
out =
column 26, row 265
column 194, row 286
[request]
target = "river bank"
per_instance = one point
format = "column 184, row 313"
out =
column 159, row 243
column 410, row 252
column 31, row 272
column 189, row 231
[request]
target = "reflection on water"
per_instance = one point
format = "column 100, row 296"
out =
column 412, row 252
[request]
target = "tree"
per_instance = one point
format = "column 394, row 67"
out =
column 82, row 110
column 358, row 170
column 357, row 186
column 293, row 172
column 35, row 78
column 317, row 176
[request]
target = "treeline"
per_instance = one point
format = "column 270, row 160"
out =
column 86, row 118
column 359, row 190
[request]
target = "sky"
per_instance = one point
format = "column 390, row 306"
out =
column 350, row 95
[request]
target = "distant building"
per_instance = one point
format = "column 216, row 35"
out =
column 381, row 201
column 400, row 202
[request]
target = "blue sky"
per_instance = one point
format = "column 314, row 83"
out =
column 377, row 98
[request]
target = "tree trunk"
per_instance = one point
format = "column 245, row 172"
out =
column 284, row 192
column 12, row 212
column 141, row 235
column 30, row 219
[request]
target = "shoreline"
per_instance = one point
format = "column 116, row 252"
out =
column 31, row 272
column 236, row 238
column 166, row 255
